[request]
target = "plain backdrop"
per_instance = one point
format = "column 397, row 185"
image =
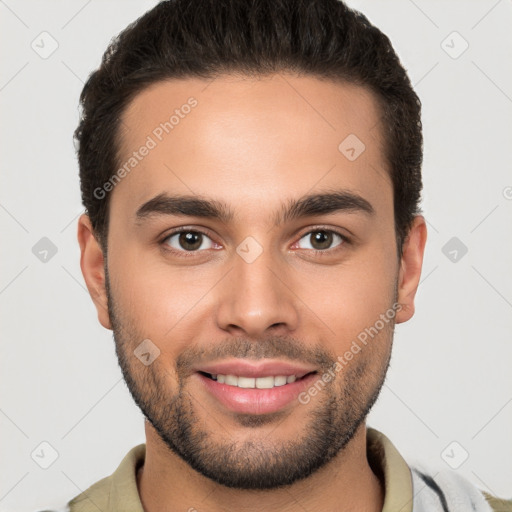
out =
column 447, row 401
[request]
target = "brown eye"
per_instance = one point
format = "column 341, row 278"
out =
column 189, row 241
column 321, row 240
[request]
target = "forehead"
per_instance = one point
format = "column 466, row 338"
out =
column 247, row 140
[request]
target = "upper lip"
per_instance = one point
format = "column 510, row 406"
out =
column 265, row 368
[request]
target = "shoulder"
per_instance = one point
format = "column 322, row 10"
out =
column 498, row 504
column 96, row 497
column 62, row 509
column 448, row 490
column 115, row 492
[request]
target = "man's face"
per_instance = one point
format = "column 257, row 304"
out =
column 264, row 291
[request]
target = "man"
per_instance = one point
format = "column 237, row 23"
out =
column 251, row 171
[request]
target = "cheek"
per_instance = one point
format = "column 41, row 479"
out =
column 351, row 297
column 159, row 302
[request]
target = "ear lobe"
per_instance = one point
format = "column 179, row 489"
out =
column 93, row 270
column 410, row 268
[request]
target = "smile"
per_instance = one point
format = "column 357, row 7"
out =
column 239, row 381
column 255, row 395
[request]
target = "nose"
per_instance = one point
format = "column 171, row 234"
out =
column 257, row 297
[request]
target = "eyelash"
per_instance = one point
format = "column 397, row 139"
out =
column 187, row 254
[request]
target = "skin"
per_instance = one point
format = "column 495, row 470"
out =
column 254, row 144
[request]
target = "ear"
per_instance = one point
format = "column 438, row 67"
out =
column 93, row 270
column 410, row 268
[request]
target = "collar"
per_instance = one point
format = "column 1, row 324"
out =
column 119, row 490
column 387, row 463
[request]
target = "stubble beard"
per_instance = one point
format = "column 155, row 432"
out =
column 258, row 463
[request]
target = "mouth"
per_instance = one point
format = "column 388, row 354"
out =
column 247, row 382
column 256, row 393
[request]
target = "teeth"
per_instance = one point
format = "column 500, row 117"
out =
column 253, row 382
column 246, row 382
column 280, row 380
column 232, row 380
column 265, row 382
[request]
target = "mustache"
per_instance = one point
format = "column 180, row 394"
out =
column 274, row 347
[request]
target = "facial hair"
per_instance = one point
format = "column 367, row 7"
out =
column 259, row 463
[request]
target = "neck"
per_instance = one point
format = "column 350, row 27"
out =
column 347, row 482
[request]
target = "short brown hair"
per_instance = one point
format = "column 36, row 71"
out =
column 206, row 38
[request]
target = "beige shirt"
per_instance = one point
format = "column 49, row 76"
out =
column 118, row 492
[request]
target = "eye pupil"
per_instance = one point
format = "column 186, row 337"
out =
column 321, row 240
column 190, row 240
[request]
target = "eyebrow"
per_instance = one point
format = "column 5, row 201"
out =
column 307, row 206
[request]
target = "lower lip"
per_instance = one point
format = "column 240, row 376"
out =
column 254, row 400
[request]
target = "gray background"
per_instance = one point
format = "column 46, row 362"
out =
column 448, row 395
